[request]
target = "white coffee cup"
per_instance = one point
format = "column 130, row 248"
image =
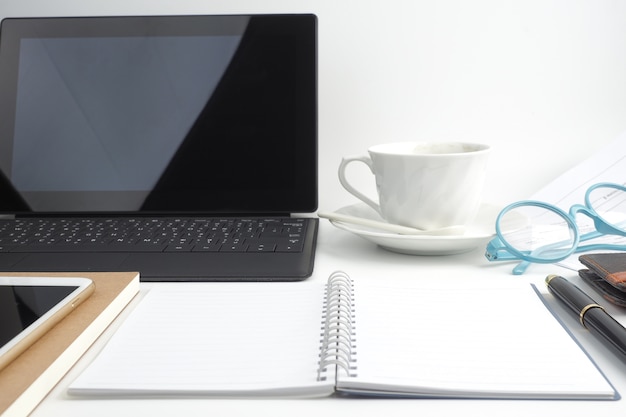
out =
column 426, row 185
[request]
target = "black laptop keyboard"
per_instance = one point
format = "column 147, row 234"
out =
column 153, row 235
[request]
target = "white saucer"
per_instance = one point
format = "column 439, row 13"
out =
column 479, row 232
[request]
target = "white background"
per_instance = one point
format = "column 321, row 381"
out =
column 542, row 81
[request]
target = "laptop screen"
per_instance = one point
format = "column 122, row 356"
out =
column 167, row 114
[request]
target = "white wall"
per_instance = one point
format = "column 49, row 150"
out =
column 543, row 81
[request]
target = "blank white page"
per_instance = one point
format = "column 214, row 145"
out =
column 215, row 339
column 468, row 341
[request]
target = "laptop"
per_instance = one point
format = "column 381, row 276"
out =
column 202, row 124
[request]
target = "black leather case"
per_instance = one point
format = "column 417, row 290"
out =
column 606, row 274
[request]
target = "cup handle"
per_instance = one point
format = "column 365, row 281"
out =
column 344, row 181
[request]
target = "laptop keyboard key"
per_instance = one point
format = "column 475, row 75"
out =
column 294, row 245
column 185, row 247
column 262, row 247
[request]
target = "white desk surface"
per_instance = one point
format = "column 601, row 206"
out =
column 338, row 249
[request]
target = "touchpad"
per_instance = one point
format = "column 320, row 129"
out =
column 66, row 262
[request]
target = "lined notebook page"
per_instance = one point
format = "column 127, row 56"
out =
column 218, row 339
column 469, row 341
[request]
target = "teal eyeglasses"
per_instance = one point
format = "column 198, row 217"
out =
column 551, row 234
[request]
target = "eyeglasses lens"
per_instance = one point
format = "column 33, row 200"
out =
column 546, row 235
column 609, row 203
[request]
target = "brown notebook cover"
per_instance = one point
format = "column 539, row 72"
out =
column 29, row 378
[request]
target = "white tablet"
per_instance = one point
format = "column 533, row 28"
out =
column 30, row 306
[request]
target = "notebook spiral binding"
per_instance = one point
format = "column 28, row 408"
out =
column 338, row 326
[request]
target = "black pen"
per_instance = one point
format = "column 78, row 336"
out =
column 590, row 314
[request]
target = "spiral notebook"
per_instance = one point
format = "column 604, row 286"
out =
column 397, row 338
